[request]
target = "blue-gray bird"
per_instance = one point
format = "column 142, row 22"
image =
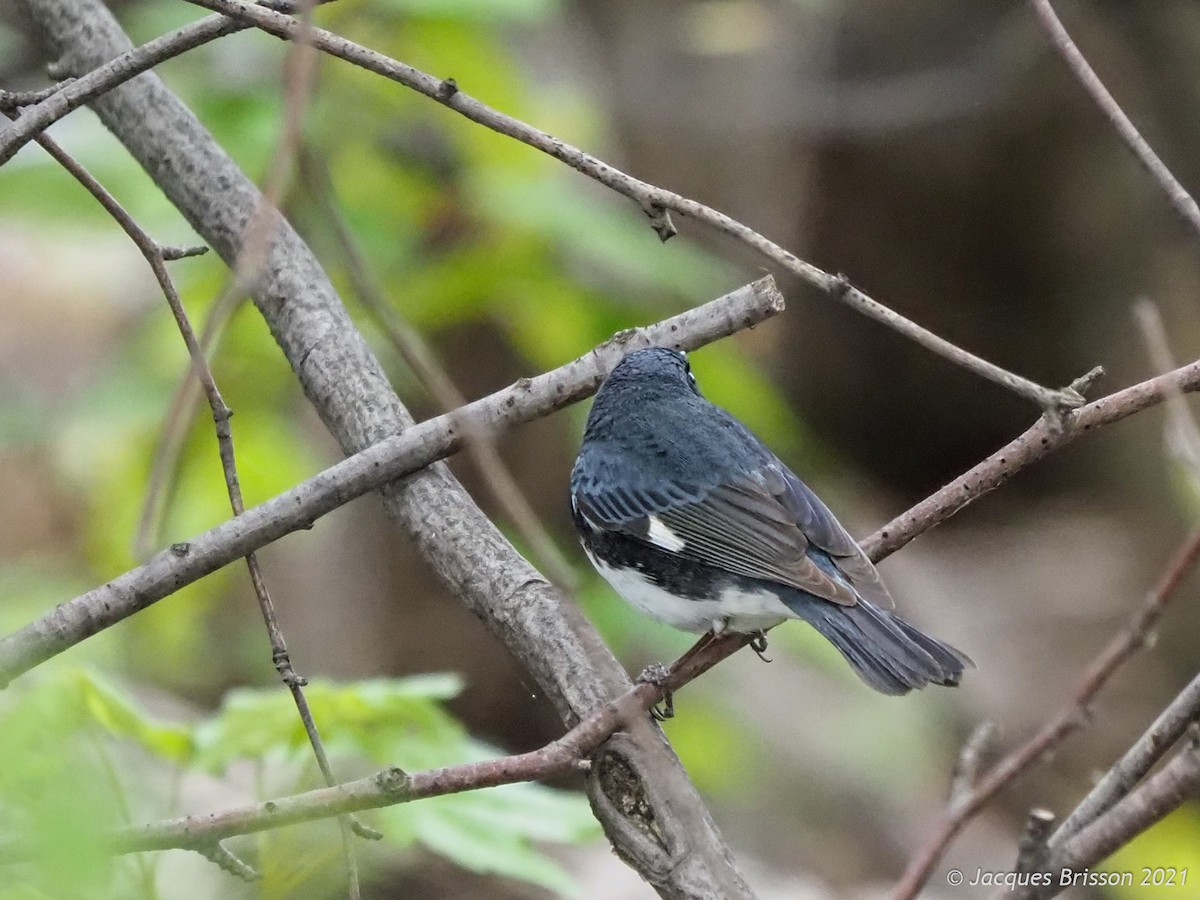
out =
column 696, row 523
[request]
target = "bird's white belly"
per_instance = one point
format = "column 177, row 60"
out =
column 736, row 610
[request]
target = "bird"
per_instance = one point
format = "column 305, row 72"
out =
column 696, row 523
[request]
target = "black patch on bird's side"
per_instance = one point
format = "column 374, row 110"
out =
column 676, row 575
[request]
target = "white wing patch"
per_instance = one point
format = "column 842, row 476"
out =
column 662, row 536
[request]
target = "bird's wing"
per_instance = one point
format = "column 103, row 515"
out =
column 823, row 530
column 765, row 525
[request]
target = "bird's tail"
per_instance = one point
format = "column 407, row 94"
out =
column 887, row 652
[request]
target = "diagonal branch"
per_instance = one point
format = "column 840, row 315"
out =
column 1177, row 782
column 1181, row 201
column 655, row 201
column 45, row 107
column 414, row 448
column 420, row 357
column 1138, row 760
column 1071, row 718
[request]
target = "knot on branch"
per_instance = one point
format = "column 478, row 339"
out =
column 660, row 220
column 393, row 781
column 287, row 674
column 170, row 254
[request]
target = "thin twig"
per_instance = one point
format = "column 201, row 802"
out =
column 367, row 470
column 392, row 786
column 72, row 93
column 221, row 413
column 1177, row 782
column 1181, row 201
column 14, row 100
column 420, row 357
column 181, row 412
column 654, row 201
column 1128, row 641
column 1180, row 431
column 1167, row 729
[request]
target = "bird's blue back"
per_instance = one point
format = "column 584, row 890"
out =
column 649, row 431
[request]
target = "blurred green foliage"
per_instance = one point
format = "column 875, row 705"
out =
column 1171, row 844
column 81, row 753
column 461, row 226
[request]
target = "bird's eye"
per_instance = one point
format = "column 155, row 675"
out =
column 691, row 378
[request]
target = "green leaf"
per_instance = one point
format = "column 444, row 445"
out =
column 371, row 719
column 120, row 716
column 1172, row 843
column 464, row 829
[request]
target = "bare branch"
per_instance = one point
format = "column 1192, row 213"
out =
column 1161, row 794
column 420, row 357
column 1128, row 641
column 549, row 637
column 57, row 101
column 654, row 201
column 13, row 100
column 1181, row 201
column 1138, row 760
column 391, row 458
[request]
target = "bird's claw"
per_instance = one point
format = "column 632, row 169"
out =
column 758, row 644
column 667, row 711
column 657, row 674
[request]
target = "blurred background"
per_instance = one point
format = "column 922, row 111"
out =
column 936, row 152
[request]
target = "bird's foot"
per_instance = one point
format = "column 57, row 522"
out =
column 657, row 674
column 758, row 644
column 660, row 713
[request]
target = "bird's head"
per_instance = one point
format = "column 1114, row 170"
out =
column 655, row 371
